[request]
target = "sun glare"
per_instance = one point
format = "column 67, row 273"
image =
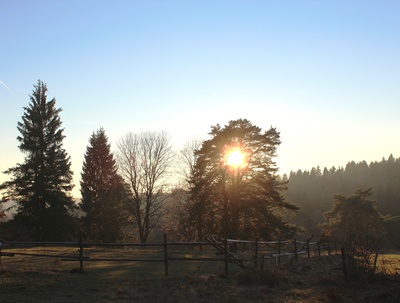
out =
column 236, row 159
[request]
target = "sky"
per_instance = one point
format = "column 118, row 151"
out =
column 325, row 74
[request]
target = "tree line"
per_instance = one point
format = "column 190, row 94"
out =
column 128, row 193
column 316, row 191
column 229, row 186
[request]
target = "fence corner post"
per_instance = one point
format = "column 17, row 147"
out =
column 295, row 250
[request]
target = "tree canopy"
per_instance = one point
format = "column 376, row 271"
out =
column 41, row 185
column 235, row 179
column 354, row 216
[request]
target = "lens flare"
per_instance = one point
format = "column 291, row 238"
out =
column 235, row 158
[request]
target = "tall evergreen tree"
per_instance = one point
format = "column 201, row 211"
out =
column 102, row 191
column 41, row 185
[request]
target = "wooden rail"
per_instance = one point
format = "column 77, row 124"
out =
column 261, row 251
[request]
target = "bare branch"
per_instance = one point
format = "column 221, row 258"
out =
column 145, row 162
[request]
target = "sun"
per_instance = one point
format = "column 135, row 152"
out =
column 235, row 158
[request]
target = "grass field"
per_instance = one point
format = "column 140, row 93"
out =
column 38, row 279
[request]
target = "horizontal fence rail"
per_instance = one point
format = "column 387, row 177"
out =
column 258, row 250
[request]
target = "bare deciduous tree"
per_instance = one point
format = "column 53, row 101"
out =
column 188, row 158
column 144, row 161
column 181, row 213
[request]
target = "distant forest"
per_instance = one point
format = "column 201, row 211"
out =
column 313, row 190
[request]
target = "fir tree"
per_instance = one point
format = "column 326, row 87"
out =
column 102, row 191
column 41, row 185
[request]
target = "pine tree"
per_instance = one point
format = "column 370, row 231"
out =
column 102, row 191
column 41, row 185
column 354, row 216
column 235, row 177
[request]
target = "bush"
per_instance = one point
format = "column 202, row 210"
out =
column 360, row 256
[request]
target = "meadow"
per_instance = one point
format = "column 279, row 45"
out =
column 26, row 278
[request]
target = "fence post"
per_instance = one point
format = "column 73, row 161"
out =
column 226, row 255
column 165, row 255
column 319, row 248
column 81, row 254
column 262, row 262
column 308, row 248
column 1, row 244
column 329, row 247
column 343, row 252
column 279, row 252
column 256, row 254
column 295, row 249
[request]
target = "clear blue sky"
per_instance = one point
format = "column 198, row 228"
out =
column 326, row 74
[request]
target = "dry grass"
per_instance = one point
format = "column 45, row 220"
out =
column 390, row 263
column 34, row 279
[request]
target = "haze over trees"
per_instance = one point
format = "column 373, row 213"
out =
column 313, row 190
column 41, row 185
column 103, row 192
column 185, row 219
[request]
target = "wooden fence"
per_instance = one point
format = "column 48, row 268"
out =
column 257, row 251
